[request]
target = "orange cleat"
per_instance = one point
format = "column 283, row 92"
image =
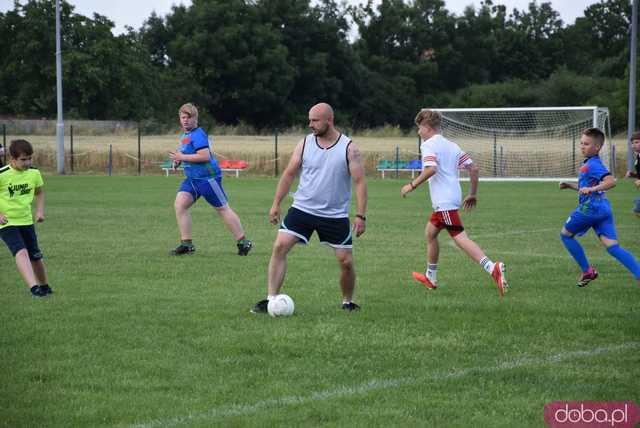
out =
column 420, row 277
column 499, row 276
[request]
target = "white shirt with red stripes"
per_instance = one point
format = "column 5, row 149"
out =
column 448, row 158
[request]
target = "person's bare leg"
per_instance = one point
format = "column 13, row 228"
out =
column 496, row 270
column 278, row 264
column 347, row 273
column 39, row 271
column 472, row 249
column 25, row 268
column 231, row 221
column 183, row 202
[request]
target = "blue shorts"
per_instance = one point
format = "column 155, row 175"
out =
column 579, row 224
column 636, row 208
column 336, row 232
column 21, row 237
column 209, row 188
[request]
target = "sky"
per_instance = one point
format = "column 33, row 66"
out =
column 134, row 12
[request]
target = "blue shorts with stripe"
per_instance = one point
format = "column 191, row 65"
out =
column 209, row 188
column 579, row 224
column 336, row 232
column 636, row 208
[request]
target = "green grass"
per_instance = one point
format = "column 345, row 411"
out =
column 134, row 337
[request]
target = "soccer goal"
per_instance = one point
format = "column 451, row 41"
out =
column 530, row 143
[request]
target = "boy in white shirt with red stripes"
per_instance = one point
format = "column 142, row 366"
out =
column 441, row 161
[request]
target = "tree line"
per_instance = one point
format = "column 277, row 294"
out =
column 263, row 63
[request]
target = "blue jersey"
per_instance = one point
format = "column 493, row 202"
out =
column 190, row 143
column 592, row 172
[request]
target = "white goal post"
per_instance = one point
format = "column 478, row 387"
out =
column 525, row 143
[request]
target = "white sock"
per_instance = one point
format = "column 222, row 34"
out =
column 271, row 297
column 432, row 272
column 487, row 264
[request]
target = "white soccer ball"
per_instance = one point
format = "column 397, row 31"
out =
column 281, row 306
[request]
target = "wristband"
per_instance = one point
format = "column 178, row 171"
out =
column 361, row 217
column 412, row 185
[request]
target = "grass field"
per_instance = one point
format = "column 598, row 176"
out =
column 135, row 338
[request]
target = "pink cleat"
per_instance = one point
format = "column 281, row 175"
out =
column 587, row 277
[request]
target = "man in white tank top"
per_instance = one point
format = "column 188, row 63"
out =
column 328, row 163
column 441, row 161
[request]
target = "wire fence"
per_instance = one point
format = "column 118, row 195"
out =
column 125, row 148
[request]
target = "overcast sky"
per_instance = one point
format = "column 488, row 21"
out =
column 135, row 12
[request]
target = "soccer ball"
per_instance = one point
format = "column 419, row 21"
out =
column 280, row 306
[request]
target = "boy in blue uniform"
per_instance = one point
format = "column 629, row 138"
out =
column 594, row 210
column 203, row 178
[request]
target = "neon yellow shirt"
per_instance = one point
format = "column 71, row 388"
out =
column 16, row 194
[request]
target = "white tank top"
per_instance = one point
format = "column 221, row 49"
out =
column 325, row 182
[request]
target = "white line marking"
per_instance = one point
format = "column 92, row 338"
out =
column 378, row 384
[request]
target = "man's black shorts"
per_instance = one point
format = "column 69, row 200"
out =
column 335, row 232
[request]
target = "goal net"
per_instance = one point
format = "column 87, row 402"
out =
column 534, row 143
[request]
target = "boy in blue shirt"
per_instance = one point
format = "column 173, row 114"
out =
column 594, row 210
column 203, row 178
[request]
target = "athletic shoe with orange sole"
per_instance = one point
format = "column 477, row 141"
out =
column 500, row 278
column 420, row 277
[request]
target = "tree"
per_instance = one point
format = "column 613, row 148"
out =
column 598, row 42
column 104, row 77
column 325, row 66
column 238, row 61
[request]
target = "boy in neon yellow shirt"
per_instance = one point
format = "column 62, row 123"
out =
column 20, row 184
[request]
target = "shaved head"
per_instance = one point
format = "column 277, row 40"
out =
column 321, row 120
column 323, row 110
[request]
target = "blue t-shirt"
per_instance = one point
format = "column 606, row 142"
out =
column 592, row 172
column 190, row 143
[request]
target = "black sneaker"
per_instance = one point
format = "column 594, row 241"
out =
column 183, row 249
column 46, row 289
column 37, row 291
column 260, row 307
column 244, row 246
column 350, row 307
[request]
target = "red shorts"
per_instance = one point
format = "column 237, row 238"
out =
column 449, row 220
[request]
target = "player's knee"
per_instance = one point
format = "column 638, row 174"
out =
column 280, row 248
column 431, row 237
column 345, row 259
column 21, row 253
column 179, row 207
column 564, row 234
column 346, row 264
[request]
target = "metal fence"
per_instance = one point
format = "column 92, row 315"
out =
column 111, row 147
